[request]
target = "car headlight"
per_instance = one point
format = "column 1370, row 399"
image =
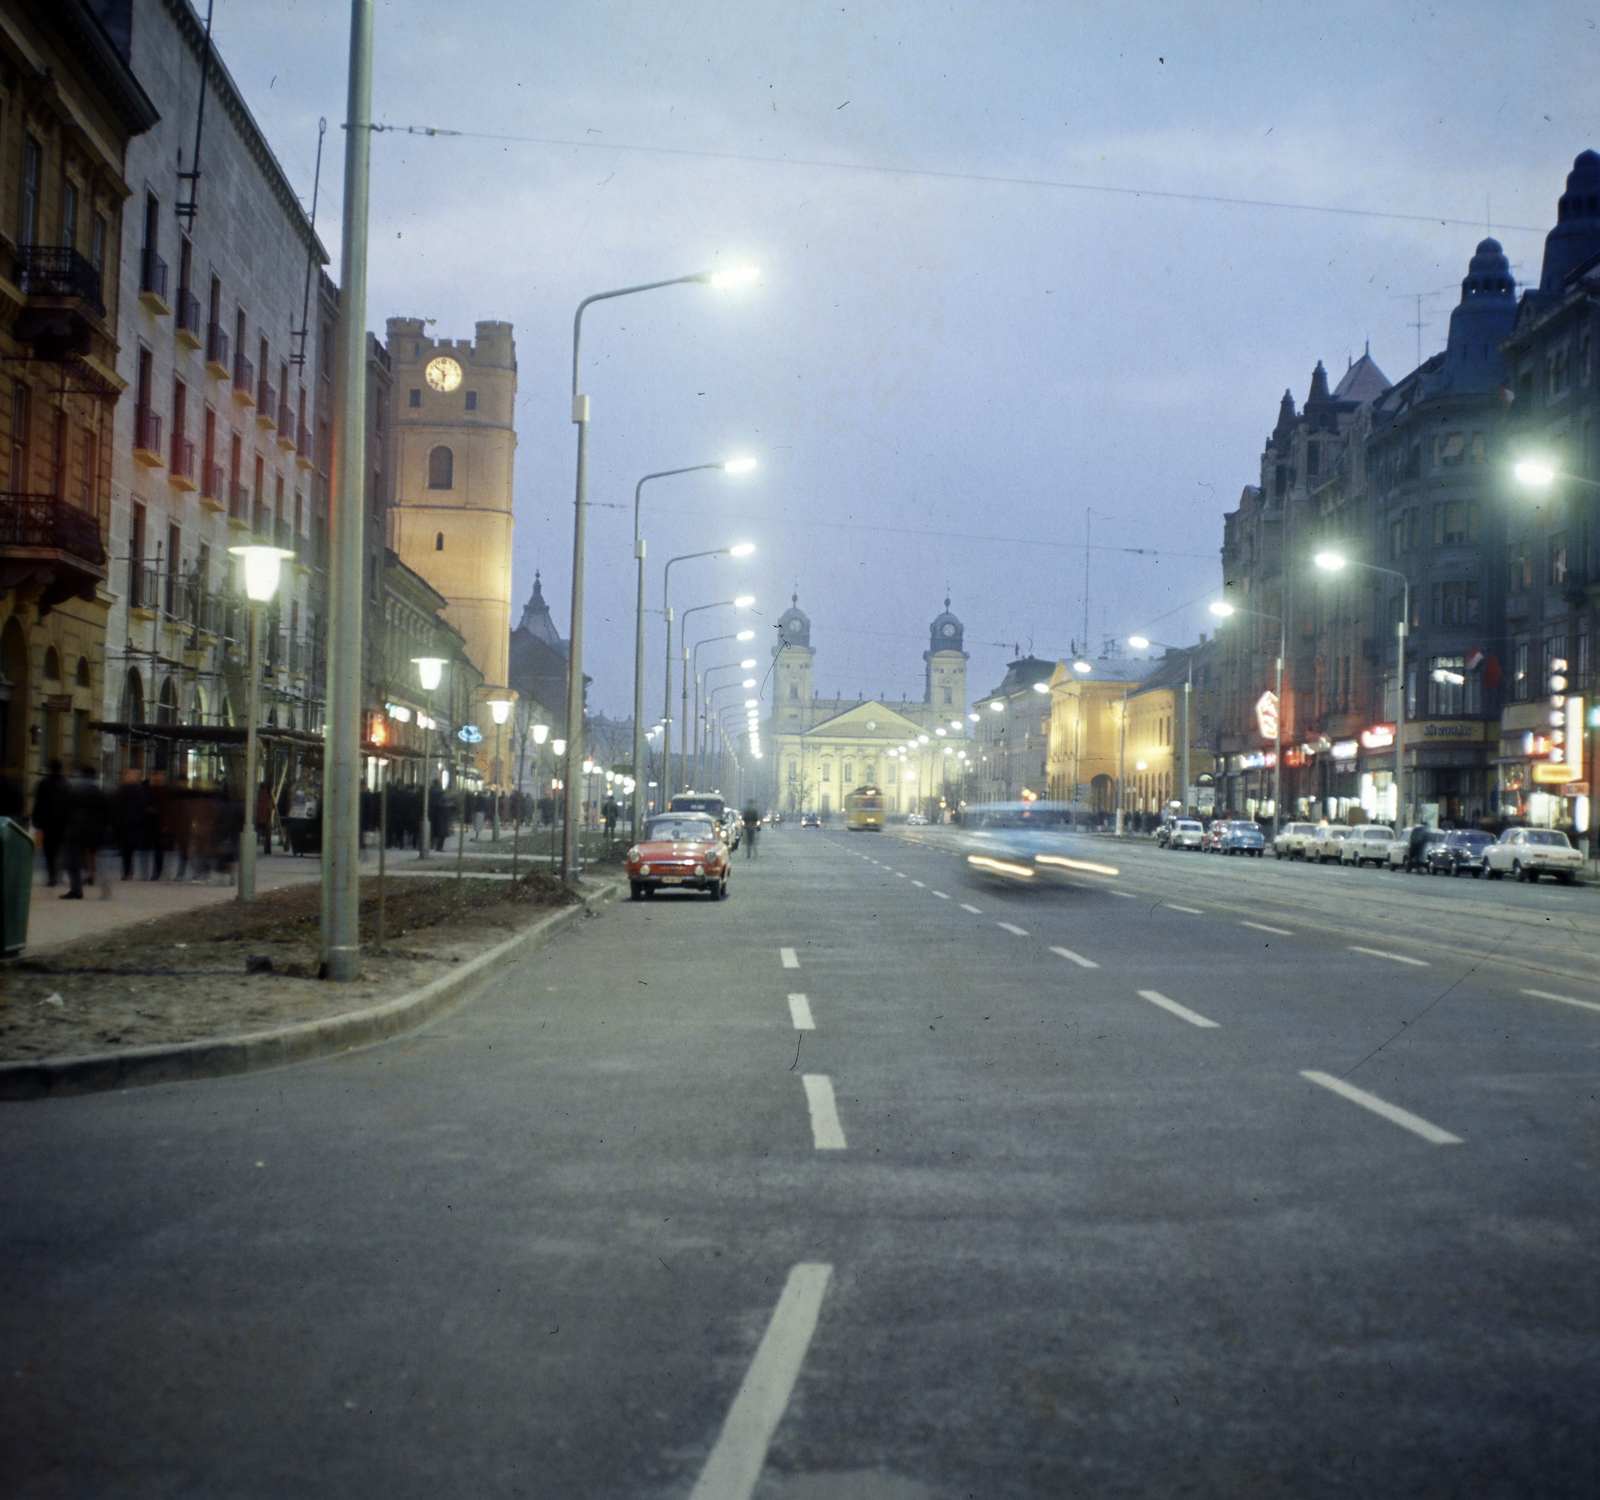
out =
column 633, row 854
column 644, row 869
column 699, row 869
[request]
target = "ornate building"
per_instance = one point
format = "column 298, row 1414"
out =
column 821, row 748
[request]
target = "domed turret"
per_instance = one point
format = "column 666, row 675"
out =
column 1576, row 237
column 794, row 626
column 945, row 632
column 1483, row 317
column 945, row 682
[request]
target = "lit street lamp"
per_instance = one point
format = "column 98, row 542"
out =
column 429, row 670
column 740, row 549
column 1333, row 562
column 743, row 601
column 1143, row 643
column 261, row 568
column 499, row 711
column 1224, row 610
column 580, row 509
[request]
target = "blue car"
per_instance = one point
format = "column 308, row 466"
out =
column 1243, row 838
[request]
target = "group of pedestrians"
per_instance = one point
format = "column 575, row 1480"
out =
column 144, row 819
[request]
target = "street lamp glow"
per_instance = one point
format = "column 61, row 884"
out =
column 1534, row 472
column 541, row 732
column 922, row 739
column 732, row 277
column 1221, row 609
column 558, row 747
column 741, row 549
column 738, row 466
column 1329, row 562
column 1041, row 687
column 1082, row 666
column 499, row 709
column 261, row 568
column 744, row 601
column 752, row 703
column 429, row 670
column 745, row 635
column 1139, row 642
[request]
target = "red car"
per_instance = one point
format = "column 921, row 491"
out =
column 679, row 849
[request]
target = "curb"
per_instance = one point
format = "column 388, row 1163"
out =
column 221, row 1057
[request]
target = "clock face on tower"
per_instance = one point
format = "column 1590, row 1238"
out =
column 949, row 629
column 443, row 374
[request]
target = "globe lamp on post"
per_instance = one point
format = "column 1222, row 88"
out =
column 430, row 669
column 261, row 566
column 499, row 712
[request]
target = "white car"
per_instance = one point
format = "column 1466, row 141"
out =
column 1294, row 840
column 1367, row 845
column 915, row 820
column 1328, row 842
column 1186, row 834
column 1528, row 853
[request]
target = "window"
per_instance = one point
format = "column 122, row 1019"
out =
column 849, row 772
column 1455, row 603
column 441, row 468
column 1412, row 516
column 1519, row 566
column 1454, row 522
column 59, row 454
column 1313, row 460
column 949, row 697
column 438, row 542
column 1519, row 672
column 827, row 770
column 1449, row 449
column 1448, row 699
column 1397, row 540
column 1280, row 481
column 472, row 400
column 69, row 216
column 1477, row 452
column 21, row 434
column 28, row 216
column 1580, row 665
column 416, row 398
column 1556, row 575
column 794, row 692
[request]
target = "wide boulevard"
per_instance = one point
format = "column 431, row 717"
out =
column 876, row 1181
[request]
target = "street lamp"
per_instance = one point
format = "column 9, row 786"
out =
column 1333, row 562
column 429, row 670
column 499, row 711
column 739, row 549
column 1224, row 610
column 728, row 466
column 703, row 718
column 736, row 276
column 1142, row 643
column 262, row 566
column 743, row 601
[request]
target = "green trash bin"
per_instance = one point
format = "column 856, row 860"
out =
column 16, row 885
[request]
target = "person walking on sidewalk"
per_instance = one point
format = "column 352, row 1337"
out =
column 52, row 803
column 88, row 813
column 752, row 827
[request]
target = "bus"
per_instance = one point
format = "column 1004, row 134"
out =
column 863, row 809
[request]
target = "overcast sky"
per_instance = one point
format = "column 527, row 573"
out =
column 971, row 326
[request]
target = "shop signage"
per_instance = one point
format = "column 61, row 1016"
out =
column 1451, row 729
column 1344, row 749
column 1377, row 737
column 470, row 734
column 58, row 702
column 1298, row 755
column 1551, row 773
column 1256, row 760
column 1267, row 715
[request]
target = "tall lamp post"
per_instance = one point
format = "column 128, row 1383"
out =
column 743, row 601
column 730, row 466
column 499, row 711
column 699, row 716
column 1333, row 562
column 740, row 549
column 580, row 508
column 1224, row 610
column 429, row 670
column 1143, row 643
column 711, row 722
column 262, row 566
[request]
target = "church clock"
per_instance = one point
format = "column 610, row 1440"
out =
column 443, row 374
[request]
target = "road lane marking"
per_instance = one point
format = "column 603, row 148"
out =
column 1392, row 1112
column 1010, row 927
column 1193, row 1017
column 1077, row 958
column 827, row 1134
column 1399, row 958
column 919, row 885
column 1262, row 927
column 941, row 895
column 899, row 874
column 800, row 1013
column 1126, row 895
column 1194, row 911
column 789, row 960
column 1563, row 999
column 740, row 1453
column 973, row 909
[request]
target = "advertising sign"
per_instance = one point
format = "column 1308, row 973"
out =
column 1267, row 715
column 1377, row 737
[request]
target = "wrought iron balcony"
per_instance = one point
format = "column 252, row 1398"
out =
column 48, row 522
column 266, row 399
column 152, row 276
column 219, row 349
column 188, row 316
column 285, row 536
column 244, row 379
column 261, row 519
column 238, row 501
column 59, row 273
column 285, row 423
column 147, row 432
column 181, row 466
column 144, row 587
column 213, row 482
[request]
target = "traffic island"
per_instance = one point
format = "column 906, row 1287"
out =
column 233, row 989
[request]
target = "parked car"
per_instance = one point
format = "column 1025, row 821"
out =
column 1528, row 853
column 1185, row 833
column 1243, row 837
column 679, row 849
column 1213, row 836
column 1401, row 847
column 1328, row 842
column 1367, row 845
column 915, row 820
column 1459, row 852
column 1293, row 840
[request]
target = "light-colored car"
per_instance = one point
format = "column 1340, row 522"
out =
column 1367, row 845
column 1528, row 853
column 1185, row 833
column 1328, row 842
column 915, row 820
column 1293, row 840
column 1401, row 846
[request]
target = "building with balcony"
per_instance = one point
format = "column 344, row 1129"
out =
column 72, row 104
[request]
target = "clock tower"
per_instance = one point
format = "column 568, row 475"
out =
column 453, row 440
column 945, row 687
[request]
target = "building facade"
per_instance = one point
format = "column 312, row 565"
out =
column 1011, row 733
column 71, row 105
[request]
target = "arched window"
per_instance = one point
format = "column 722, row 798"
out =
column 52, row 664
column 441, row 469
column 83, row 671
column 438, row 542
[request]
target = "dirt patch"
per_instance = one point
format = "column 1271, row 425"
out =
column 228, row 970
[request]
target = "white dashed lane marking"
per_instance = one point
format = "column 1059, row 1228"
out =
column 1077, row 958
column 973, row 909
column 1009, row 927
column 941, row 895
column 827, row 1134
column 1193, row 1017
column 1562, row 999
column 1126, row 895
column 789, row 960
column 740, row 1453
column 1262, row 927
column 919, row 885
column 1194, row 911
column 1392, row 1112
column 899, row 874
column 800, row 1013
column 1398, row 958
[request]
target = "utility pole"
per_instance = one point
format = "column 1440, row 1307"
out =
column 341, row 834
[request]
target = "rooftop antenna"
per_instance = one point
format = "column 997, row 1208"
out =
column 188, row 207
column 298, row 358
column 1419, row 325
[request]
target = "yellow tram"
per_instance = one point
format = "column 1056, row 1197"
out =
column 863, row 808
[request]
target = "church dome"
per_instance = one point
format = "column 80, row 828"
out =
column 794, row 626
column 944, row 634
column 1576, row 237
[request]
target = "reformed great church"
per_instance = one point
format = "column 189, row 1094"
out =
column 822, row 748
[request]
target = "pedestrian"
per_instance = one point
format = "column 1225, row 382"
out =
column 87, row 816
column 158, row 825
column 130, row 811
column 751, row 818
column 1415, row 844
column 263, row 818
column 608, row 811
column 52, row 800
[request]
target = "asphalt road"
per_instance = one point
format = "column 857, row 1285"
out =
column 1212, row 1178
